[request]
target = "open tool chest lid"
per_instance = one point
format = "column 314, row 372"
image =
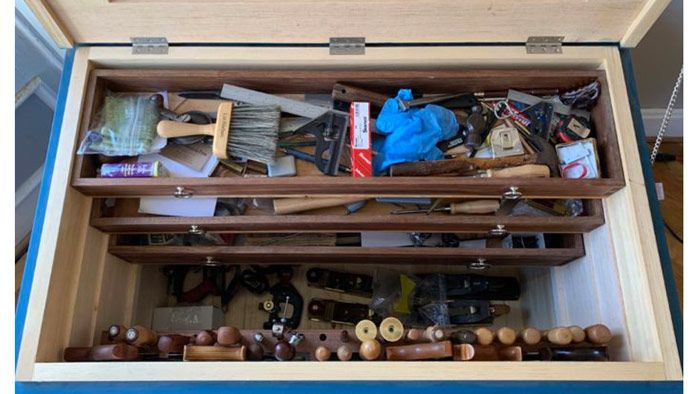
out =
column 72, row 22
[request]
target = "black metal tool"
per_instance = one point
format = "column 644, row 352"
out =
column 336, row 311
column 283, row 294
column 342, row 282
column 474, row 312
column 468, row 287
column 540, row 116
column 330, row 130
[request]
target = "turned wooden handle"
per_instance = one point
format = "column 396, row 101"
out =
column 284, row 206
column 113, row 352
column 530, row 336
column 524, row 171
column 172, row 129
column 484, row 336
column 497, row 353
column 228, row 336
column 391, row 329
column 598, row 334
column 172, row 343
column 322, row 353
column 141, row 336
column 462, row 352
column 370, row 350
column 578, row 335
column 214, row 353
column 506, row 335
column 421, row 351
column 559, row 336
column 475, row 207
column 205, row 338
column 344, row 353
column 365, row 330
column 117, row 333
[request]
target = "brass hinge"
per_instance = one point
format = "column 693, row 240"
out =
column 544, row 44
column 149, row 46
column 347, row 46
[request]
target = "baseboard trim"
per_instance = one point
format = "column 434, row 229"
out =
column 652, row 121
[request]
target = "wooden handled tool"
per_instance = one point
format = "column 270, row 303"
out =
column 116, row 333
column 530, row 336
column 322, row 353
column 113, row 352
column 172, row 343
column 285, row 206
column 506, row 335
column 432, row 334
column 214, row 353
column 598, row 334
column 141, row 336
column 420, row 351
column 370, row 350
column 284, row 351
column 559, row 336
column 344, row 353
column 524, row 171
column 463, row 336
column 228, row 336
column 462, row 352
column 248, row 132
column 365, row 330
column 391, row 329
column 497, row 353
column 484, row 336
column 465, row 208
column 458, row 167
column 205, row 338
column 578, row 335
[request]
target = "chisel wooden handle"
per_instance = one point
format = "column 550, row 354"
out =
column 431, row 334
column 214, row 353
column 530, row 336
column 475, row 207
column 462, row 352
column 457, row 167
column 559, row 336
column 228, row 336
column 506, row 335
column 370, row 350
column 141, row 336
column 116, row 333
column 578, row 335
column 285, row 206
column 484, row 336
column 524, row 171
column 598, row 334
column 114, row 352
column 420, row 351
column 322, row 353
column 205, row 338
column 344, row 353
column 172, row 343
column 172, row 129
column 497, row 353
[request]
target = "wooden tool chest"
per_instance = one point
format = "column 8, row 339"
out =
column 602, row 266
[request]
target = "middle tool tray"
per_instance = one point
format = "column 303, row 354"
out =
column 305, row 82
column 122, row 216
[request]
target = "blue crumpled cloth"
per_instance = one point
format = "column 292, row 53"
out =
column 411, row 135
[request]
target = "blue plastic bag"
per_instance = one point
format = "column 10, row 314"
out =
column 412, row 135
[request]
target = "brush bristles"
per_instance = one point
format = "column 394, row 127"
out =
column 254, row 132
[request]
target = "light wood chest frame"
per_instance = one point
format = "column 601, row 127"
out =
column 67, row 239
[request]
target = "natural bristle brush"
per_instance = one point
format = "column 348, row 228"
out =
column 244, row 131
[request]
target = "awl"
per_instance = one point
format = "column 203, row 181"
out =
column 469, row 207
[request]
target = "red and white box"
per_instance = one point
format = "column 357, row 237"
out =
column 360, row 140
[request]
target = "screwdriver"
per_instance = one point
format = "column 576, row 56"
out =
column 468, row 207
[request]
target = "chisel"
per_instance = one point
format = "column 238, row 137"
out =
column 468, row 207
column 458, row 167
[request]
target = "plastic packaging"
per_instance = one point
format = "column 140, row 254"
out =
column 411, row 135
column 125, row 126
column 146, row 169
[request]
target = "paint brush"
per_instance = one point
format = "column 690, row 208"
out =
column 245, row 131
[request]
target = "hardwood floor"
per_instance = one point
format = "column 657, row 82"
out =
column 671, row 175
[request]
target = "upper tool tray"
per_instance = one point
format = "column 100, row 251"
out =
column 310, row 181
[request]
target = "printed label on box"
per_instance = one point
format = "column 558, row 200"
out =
column 360, row 140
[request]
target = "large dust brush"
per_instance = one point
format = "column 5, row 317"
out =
column 245, row 131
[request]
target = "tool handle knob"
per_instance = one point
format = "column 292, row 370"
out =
column 524, row 171
column 117, row 333
column 578, row 335
column 506, row 335
column 284, row 206
column 172, row 129
column 141, row 336
column 484, row 336
column 531, row 336
column 204, row 338
column 228, row 336
column 370, row 350
column 598, row 334
column 322, row 353
column 475, row 207
column 391, row 329
column 172, row 343
column 344, row 353
column 559, row 336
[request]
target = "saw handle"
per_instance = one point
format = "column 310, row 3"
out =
column 172, row 129
column 471, row 207
column 524, row 171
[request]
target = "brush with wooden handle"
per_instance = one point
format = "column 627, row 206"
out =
column 285, row 206
column 248, row 132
